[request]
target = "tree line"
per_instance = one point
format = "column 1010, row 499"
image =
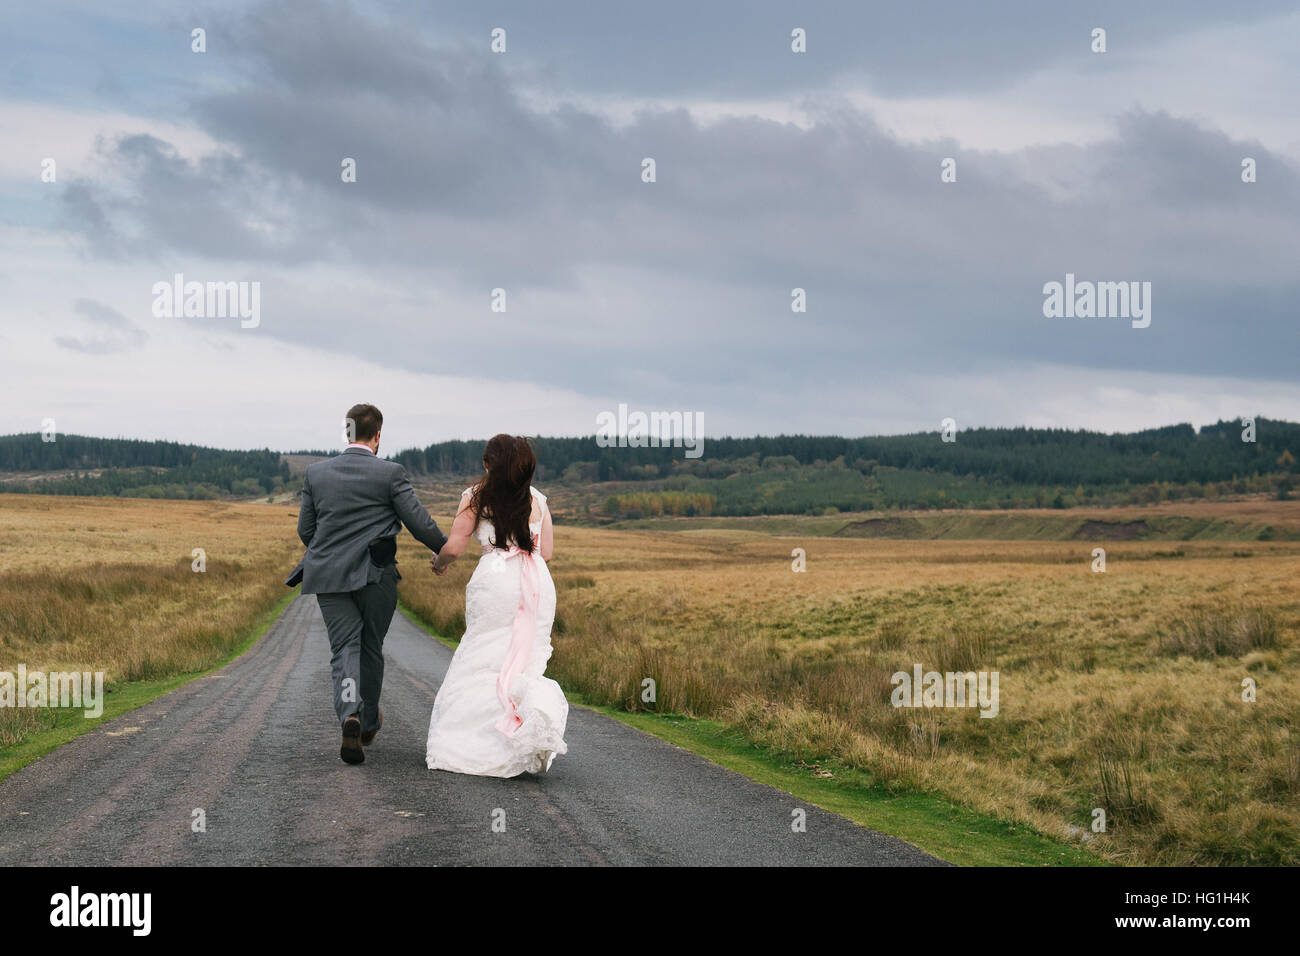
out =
column 139, row 469
column 981, row 468
column 1010, row 456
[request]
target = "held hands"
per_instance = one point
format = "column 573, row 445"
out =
column 437, row 569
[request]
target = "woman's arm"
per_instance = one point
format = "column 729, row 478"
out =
column 461, row 531
column 546, row 540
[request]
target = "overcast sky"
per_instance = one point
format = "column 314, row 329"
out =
column 522, row 171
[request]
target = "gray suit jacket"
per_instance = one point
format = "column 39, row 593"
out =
column 348, row 503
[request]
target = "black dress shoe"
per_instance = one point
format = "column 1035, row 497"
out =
column 351, row 751
column 368, row 736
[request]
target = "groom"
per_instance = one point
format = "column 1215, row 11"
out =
column 353, row 508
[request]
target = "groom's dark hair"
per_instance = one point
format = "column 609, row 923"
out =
column 366, row 421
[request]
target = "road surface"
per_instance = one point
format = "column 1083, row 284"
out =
column 255, row 747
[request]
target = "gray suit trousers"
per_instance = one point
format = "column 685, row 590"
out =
column 357, row 622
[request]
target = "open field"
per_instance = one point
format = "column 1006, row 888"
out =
column 1120, row 690
column 102, row 584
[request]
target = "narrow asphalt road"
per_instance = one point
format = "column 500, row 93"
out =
column 255, row 747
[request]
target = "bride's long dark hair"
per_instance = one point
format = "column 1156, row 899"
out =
column 503, row 496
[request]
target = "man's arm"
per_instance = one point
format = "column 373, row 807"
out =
column 413, row 515
column 306, row 514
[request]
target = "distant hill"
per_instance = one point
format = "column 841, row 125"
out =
column 783, row 474
column 80, row 465
column 982, row 468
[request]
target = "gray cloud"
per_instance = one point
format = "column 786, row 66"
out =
column 683, row 286
column 117, row 335
column 680, row 47
column 102, row 314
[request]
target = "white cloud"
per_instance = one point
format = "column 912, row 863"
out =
column 32, row 131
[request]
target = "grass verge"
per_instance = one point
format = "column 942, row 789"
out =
column 123, row 697
column 930, row 823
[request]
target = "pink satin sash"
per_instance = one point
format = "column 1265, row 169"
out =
column 525, row 633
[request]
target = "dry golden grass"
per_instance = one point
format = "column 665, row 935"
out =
column 105, row 584
column 1119, row 690
column 1099, row 706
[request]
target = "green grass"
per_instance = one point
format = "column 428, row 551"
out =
column 121, row 698
column 419, row 622
column 930, row 823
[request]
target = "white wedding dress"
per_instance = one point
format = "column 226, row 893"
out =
column 496, row 714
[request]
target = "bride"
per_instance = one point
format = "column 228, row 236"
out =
column 496, row 715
